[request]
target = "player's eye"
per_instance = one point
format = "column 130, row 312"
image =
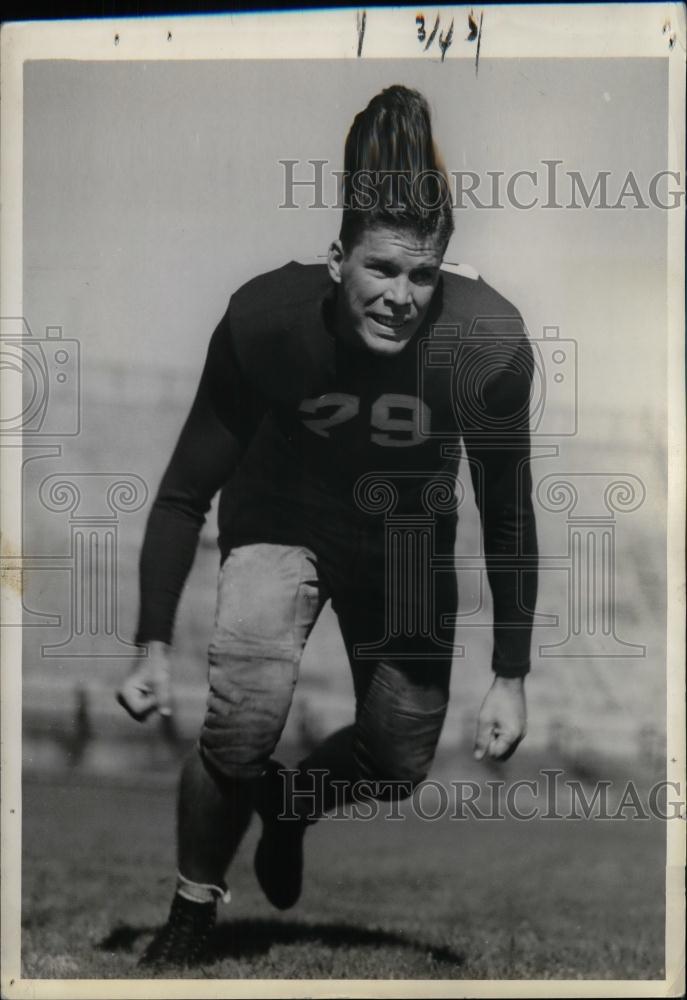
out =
column 382, row 269
column 425, row 277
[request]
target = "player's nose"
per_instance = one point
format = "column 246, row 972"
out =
column 398, row 292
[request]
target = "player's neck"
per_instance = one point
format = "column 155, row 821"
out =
column 339, row 324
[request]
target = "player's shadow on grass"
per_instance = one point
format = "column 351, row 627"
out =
column 248, row 938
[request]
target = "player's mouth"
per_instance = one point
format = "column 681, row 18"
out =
column 389, row 324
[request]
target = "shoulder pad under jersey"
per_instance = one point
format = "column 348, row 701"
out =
column 462, row 270
column 320, row 258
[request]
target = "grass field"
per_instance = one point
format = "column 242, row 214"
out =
column 451, row 899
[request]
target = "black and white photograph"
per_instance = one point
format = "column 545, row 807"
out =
column 343, row 472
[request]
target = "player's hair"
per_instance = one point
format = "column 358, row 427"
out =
column 393, row 173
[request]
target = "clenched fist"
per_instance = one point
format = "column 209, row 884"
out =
column 149, row 685
column 502, row 721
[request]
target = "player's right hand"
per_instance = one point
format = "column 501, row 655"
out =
column 149, row 685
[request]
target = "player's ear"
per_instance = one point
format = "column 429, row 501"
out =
column 335, row 258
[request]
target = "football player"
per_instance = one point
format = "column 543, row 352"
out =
column 333, row 401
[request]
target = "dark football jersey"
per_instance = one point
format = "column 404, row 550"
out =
column 298, row 429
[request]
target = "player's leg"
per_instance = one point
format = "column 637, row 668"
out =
column 390, row 748
column 290, row 801
column 401, row 649
column 400, row 710
column 401, row 707
column 268, row 601
column 401, row 680
column 400, row 701
column 213, row 813
column 399, row 723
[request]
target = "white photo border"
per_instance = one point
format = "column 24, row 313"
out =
column 561, row 31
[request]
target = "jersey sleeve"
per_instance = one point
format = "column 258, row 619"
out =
column 498, row 451
column 219, row 425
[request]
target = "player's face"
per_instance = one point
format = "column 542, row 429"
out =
column 386, row 284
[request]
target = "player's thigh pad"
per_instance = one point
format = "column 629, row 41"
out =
column 268, row 600
column 400, row 717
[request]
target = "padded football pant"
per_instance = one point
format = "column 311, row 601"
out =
column 269, row 597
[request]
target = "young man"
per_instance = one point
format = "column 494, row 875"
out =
column 318, row 411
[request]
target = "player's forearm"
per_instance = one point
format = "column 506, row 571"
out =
column 167, row 555
column 512, row 566
column 204, row 459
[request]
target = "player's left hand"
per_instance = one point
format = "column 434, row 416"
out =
column 502, row 721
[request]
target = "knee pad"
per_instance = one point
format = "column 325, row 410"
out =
column 268, row 599
column 393, row 777
column 393, row 789
column 224, row 761
column 247, row 708
column 267, row 602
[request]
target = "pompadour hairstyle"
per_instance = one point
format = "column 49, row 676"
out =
column 393, row 173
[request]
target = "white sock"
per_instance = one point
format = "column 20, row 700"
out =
column 201, row 892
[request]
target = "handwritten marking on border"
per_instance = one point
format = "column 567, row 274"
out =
column 361, row 21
